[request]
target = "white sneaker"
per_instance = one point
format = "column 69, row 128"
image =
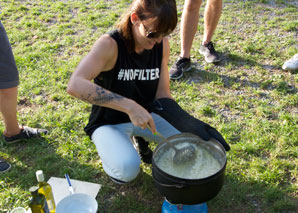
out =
column 291, row 64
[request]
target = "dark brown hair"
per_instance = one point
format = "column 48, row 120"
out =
column 162, row 15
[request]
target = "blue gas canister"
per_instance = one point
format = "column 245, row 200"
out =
column 167, row 207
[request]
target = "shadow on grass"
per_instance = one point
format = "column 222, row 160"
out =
column 138, row 196
column 238, row 61
column 45, row 157
column 28, row 156
column 200, row 75
column 235, row 196
column 251, row 196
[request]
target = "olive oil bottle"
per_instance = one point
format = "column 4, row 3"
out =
column 38, row 203
column 45, row 189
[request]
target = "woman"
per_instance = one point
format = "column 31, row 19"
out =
column 129, row 67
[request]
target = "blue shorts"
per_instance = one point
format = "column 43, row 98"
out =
column 9, row 75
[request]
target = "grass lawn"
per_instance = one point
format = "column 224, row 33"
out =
column 247, row 97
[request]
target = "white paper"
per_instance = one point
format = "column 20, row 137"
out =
column 61, row 189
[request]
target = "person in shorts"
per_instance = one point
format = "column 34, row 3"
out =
column 9, row 81
column 188, row 29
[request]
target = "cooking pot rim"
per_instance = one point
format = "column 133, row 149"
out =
column 186, row 134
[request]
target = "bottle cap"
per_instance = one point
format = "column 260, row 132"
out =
column 39, row 176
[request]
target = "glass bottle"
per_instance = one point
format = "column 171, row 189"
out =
column 38, row 203
column 46, row 190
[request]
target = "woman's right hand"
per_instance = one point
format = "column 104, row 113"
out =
column 140, row 117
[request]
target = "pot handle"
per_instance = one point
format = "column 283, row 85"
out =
column 179, row 186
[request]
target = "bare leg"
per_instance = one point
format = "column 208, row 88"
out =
column 211, row 17
column 189, row 24
column 8, row 105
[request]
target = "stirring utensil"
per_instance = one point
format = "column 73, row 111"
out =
column 71, row 189
column 183, row 155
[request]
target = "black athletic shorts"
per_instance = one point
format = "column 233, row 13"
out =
column 9, row 75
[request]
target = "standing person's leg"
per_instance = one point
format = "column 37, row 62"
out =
column 188, row 25
column 212, row 15
column 8, row 104
column 8, row 97
column 9, row 80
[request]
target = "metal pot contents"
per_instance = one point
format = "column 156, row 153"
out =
column 204, row 165
column 194, row 182
column 180, row 156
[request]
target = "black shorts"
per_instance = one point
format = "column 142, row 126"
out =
column 9, row 75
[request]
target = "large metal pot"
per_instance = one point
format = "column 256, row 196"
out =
column 188, row 191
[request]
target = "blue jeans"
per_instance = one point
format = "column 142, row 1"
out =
column 119, row 158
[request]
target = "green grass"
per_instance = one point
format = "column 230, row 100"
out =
column 247, row 97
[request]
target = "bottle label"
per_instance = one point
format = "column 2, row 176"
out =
column 50, row 205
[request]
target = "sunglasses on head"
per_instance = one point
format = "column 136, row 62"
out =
column 151, row 34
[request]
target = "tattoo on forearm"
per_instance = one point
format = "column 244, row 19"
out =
column 85, row 98
column 101, row 96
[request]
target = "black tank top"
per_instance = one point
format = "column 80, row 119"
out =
column 134, row 76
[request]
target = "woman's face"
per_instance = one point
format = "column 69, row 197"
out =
column 145, row 37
